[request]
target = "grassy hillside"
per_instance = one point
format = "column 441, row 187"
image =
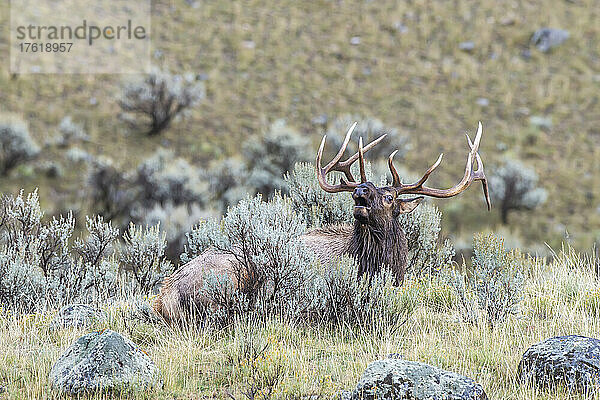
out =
column 396, row 61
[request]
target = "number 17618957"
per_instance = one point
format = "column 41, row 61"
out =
column 35, row 47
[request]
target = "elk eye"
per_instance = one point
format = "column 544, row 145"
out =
column 389, row 198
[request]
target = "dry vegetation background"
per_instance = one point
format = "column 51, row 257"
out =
column 268, row 60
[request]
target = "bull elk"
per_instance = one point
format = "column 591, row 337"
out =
column 375, row 240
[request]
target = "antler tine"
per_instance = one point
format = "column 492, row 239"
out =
column 425, row 176
column 397, row 183
column 475, row 148
column 361, row 161
column 396, row 178
column 368, row 147
column 479, row 174
column 322, row 172
column 348, row 184
column 340, row 153
column 486, row 193
column 470, row 175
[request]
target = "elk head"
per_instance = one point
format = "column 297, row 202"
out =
column 377, row 239
column 375, row 206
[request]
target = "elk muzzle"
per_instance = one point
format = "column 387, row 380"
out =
column 362, row 196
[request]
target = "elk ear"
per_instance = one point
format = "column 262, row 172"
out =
column 407, row 205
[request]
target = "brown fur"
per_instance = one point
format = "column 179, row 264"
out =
column 375, row 247
column 180, row 290
column 328, row 243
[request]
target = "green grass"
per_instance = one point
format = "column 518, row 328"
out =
column 303, row 65
column 200, row 363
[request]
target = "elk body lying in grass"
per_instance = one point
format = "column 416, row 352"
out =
column 375, row 240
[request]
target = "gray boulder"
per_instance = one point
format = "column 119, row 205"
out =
column 399, row 379
column 573, row 361
column 467, row 46
column 546, row 39
column 76, row 316
column 103, row 361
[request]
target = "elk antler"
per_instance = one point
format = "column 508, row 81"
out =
column 348, row 184
column 470, row 175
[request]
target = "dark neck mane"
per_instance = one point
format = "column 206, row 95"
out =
column 377, row 246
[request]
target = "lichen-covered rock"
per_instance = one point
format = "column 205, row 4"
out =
column 103, row 361
column 573, row 361
column 545, row 39
column 76, row 316
column 401, row 379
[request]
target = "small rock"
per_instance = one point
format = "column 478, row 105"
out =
column 248, row 44
column 467, row 46
column 501, row 146
column 540, row 121
column 483, row 102
column 320, row 119
column 76, row 316
column 76, row 155
column 508, row 20
column 400, row 27
column 103, row 361
column 573, row 361
column 403, row 380
column 546, row 39
column 355, row 41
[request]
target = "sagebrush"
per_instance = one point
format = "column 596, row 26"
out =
column 278, row 276
column 493, row 286
column 40, row 267
column 154, row 102
column 16, row 145
column 514, row 186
